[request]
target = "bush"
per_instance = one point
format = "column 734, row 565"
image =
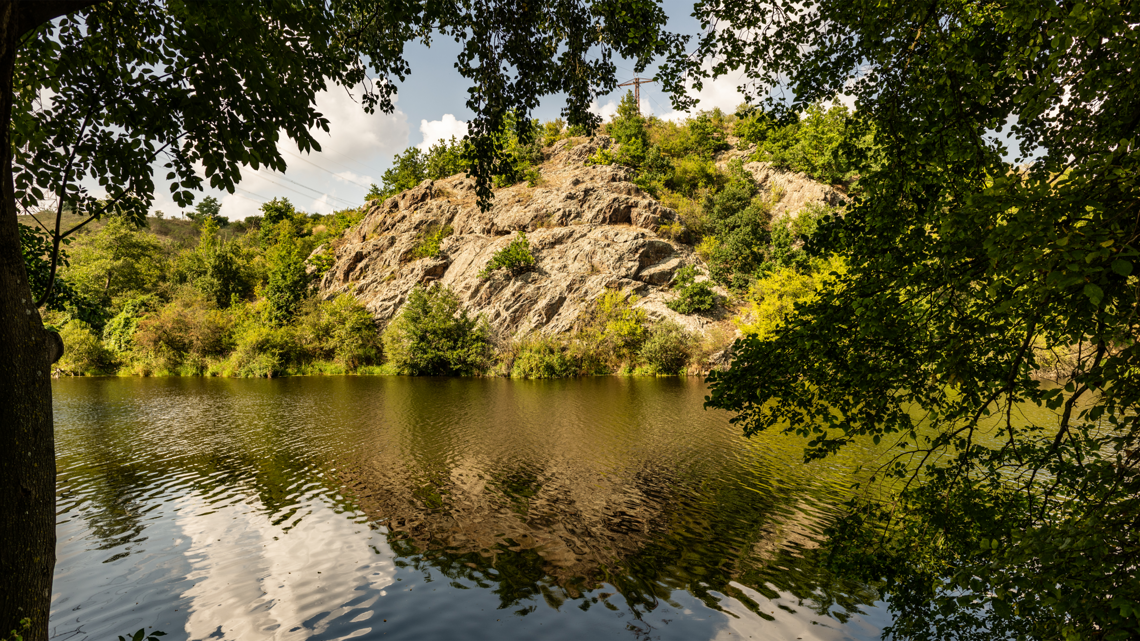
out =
column 602, row 156
column 614, row 333
column 262, row 352
column 773, row 297
column 543, row 358
column 432, row 336
column 288, row 282
column 342, row 330
column 667, row 348
column 693, row 174
column 692, row 297
column 83, row 353
column 184, row 331
column 119, row 332
column 515, row 258
column 430, row 242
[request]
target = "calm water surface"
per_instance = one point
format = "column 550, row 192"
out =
column 396, row 508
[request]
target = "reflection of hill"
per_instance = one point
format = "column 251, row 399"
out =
column 656, row 507
column 540, row 523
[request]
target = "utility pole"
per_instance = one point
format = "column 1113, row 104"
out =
column 637, row 82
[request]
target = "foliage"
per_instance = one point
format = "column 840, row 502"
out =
column 773, row 296
column 288, row 282
column 628, row 125
column 543, row 357
column 790, row 235
column 84, row 353
column 614, row 332
column 692, row 296
column 430, row 240
column 36, row 247
column 815, row 144
column 444, row 158
column 119, row 333
column 520, row 150
column 667, row 348
column 553, row 131
column 261, row 351
column 603, row 156
column 217, row 268
column 433, row 336
column 693, row 174
column 183, row 333
column 208, row 210
column 341, row 329
column 142, row 635
column 514, row 258
column 18, row 633
column 119, row 261
column 273, row 212
column 1007, row 505
column 738, row 217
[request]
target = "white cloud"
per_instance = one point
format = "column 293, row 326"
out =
column 442, row 129
column 719, row 93
column 353, row 153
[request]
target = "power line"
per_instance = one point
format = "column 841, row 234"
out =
column 319, row 193
column 358, row 165
column 326, row 170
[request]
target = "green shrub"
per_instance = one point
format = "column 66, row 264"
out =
column 341, row 330
column 543, row 357
column 628, row 125
column 692, row 174
column 288, row 282
column 262, row 352
column 533, row 177
column 614, row 333
column 515, row 258
column 667, row 348
column 692, row 296
column 119, row 332
column 553, row 131
column 430, row 241
column 603, row 156
column 83, row 353
column 433, row 336
column 185, row 331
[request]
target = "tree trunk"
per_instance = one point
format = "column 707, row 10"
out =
column 27, row 442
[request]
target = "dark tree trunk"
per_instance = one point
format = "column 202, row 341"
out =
column 27, row 442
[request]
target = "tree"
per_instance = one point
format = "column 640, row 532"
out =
column 434, row 336
column 208, row 209
column 100, row 91
column 996, row 241
column 288, row 283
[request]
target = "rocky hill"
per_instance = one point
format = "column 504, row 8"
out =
column 589, row 229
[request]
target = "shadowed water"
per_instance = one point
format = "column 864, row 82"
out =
column 396, row 508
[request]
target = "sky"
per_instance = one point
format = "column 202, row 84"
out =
column 431, row 105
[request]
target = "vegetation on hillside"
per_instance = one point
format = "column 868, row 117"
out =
column 208, row 297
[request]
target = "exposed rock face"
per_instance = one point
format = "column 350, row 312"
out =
column 589, row 229
column 798, row 189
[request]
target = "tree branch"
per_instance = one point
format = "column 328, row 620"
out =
column 34, row 13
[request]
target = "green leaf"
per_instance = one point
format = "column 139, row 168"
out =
column 1122, row 267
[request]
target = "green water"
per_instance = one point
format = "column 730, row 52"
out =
column 393, row 507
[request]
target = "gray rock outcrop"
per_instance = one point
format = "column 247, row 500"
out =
column 589, row 229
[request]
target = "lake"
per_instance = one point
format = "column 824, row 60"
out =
column 438, row 508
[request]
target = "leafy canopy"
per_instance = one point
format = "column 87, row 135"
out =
column 969, row 273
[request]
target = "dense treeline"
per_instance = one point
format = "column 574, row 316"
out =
column 206, row 297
